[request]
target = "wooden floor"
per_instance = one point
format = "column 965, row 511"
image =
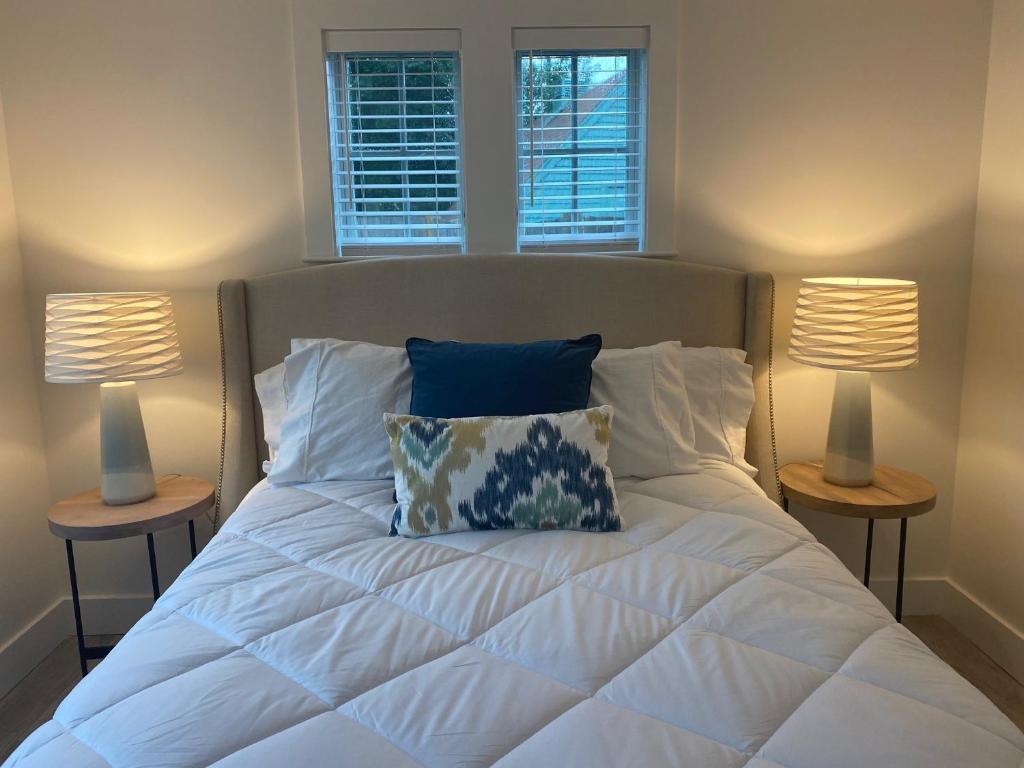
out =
column 971, row 662
column 32, row 702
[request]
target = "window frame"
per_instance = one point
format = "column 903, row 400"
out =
column 485, row 35
column 340, row 149
column 348, row 160
column 636, row 68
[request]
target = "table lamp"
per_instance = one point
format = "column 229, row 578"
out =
column 114, row 339
column 854, row 325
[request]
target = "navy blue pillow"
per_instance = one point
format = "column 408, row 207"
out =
column 451, row 379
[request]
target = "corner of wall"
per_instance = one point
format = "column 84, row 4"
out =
column 984, row 562
column 30, row 565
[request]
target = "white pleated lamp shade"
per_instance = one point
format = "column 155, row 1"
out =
column 856, row 324
column 103, row 337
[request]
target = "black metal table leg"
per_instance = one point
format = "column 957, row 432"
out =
column 77, row 604
column 192, row 537
column 902, row 564
column 152, row 566
column 867, row 555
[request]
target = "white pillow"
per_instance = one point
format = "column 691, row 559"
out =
column 270, row 389
column 274, row 402
column 653, row 434
column 338, row 393
column 720, row 387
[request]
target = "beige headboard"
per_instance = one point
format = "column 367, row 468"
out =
column 629, row 301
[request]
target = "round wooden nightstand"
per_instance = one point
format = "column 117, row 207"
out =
column 84, row 517
column 894, row 493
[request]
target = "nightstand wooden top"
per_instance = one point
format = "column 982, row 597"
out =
column 894, row 493
column 84, row 516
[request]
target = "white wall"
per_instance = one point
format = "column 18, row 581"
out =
column 986, row 560
column 181, row 168
column 155, row 145
column 32, row 571
column 488, row 79
column 824, row 137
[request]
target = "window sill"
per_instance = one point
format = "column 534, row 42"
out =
column 585, row 248
column 360, row 252
column 385, row 253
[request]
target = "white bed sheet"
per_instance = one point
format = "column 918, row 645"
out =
column 713, row 631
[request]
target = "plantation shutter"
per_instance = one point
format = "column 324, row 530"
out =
column 395, row 144
column 580, row 147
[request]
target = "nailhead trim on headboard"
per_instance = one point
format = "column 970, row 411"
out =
column 223, row 406
column 771, row 389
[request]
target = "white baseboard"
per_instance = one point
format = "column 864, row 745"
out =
column 942, row 597
column 34, row 643
column 101, row 615
column 115, row 614
column 920, row 596
column 110, row 614
column 986, row 629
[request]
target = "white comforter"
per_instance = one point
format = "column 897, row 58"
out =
column 714, row 631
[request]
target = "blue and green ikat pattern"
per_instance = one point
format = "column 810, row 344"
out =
column 541, row 472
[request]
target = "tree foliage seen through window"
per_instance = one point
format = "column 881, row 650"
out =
column 395, row 135
column 580, row 146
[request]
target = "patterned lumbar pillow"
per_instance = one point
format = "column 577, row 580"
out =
column 547, row 471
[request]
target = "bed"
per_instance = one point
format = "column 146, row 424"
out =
column 712, row 631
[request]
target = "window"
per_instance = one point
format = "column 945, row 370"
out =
column 394, row 133
column 580, row 147
column 546, row 130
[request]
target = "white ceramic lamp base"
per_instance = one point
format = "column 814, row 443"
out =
column 127, row 474
column 850, row 456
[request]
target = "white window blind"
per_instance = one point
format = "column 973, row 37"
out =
column 395, row 148
column 580, row 147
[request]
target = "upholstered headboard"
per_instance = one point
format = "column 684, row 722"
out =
column 629, row 301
